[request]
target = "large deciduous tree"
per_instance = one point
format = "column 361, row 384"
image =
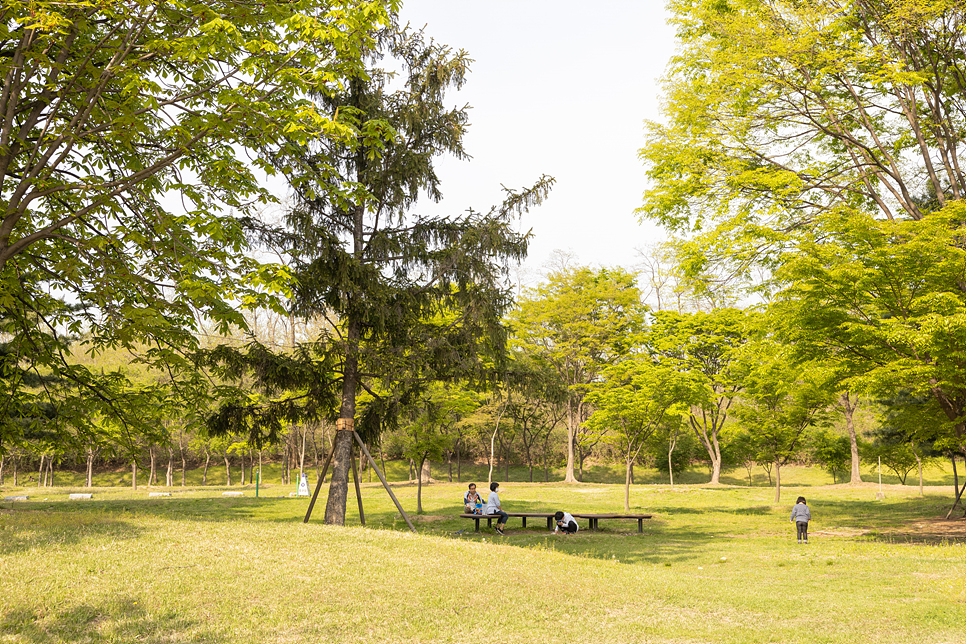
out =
column 885, row 302
column 778, row 112
column 826, row 139
column 578, row 322
column 130, row 133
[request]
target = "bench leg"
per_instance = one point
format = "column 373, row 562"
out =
column 489, row 523
column 477, row 525
column 524, row 522
column 549, row 523
column 640, row 526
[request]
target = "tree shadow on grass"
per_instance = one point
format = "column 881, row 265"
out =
column 31, row 529
column 120, row 620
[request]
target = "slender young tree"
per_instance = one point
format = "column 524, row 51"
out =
column 707, row 345
column 780, row 401
column 633, row 398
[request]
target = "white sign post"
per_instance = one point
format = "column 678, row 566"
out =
column 303, row 485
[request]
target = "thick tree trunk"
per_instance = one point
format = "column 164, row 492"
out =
column 710, row 441
column 227, row 470
column 716, row 468
column 89, row 478
column 169, row 475
column 335, row 505
column 850, row 407
column 134, row 474
column 425, row 470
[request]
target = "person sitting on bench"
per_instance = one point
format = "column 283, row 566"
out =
column 565, row 523
column 493, row 506
column 472, row 501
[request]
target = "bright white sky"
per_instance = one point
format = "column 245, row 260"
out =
column 560, row 88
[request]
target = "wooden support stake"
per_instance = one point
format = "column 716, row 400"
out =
column 318, row 486
column 382, row 478
column 355, row 480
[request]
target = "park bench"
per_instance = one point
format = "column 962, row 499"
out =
column 593, row 519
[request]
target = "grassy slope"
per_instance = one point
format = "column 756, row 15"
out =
column 716, row 564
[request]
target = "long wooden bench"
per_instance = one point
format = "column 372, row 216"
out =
column 593, row 519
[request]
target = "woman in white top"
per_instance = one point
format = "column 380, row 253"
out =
column 493, row 506
column 565, row 522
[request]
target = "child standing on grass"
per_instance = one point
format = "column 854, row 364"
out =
column 801, row 515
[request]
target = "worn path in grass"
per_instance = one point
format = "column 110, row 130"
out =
column 714, row 565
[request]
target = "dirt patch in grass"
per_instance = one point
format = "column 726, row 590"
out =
column 934, row 529
column 922, row 530
column 431, row 518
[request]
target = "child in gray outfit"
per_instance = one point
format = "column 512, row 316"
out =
column 801, row 515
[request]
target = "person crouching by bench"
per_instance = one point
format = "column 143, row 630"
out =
column 472, row 501
column 493, row 506
column 565, row 523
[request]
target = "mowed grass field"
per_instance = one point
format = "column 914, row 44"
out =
column 715, row 564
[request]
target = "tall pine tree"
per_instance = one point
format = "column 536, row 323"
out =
column 410, row 298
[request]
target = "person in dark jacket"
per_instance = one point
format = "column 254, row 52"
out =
column 801, row 515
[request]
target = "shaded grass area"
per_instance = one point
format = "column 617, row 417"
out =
column 715, row 564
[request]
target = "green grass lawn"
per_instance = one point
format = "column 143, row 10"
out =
column 714, row 565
